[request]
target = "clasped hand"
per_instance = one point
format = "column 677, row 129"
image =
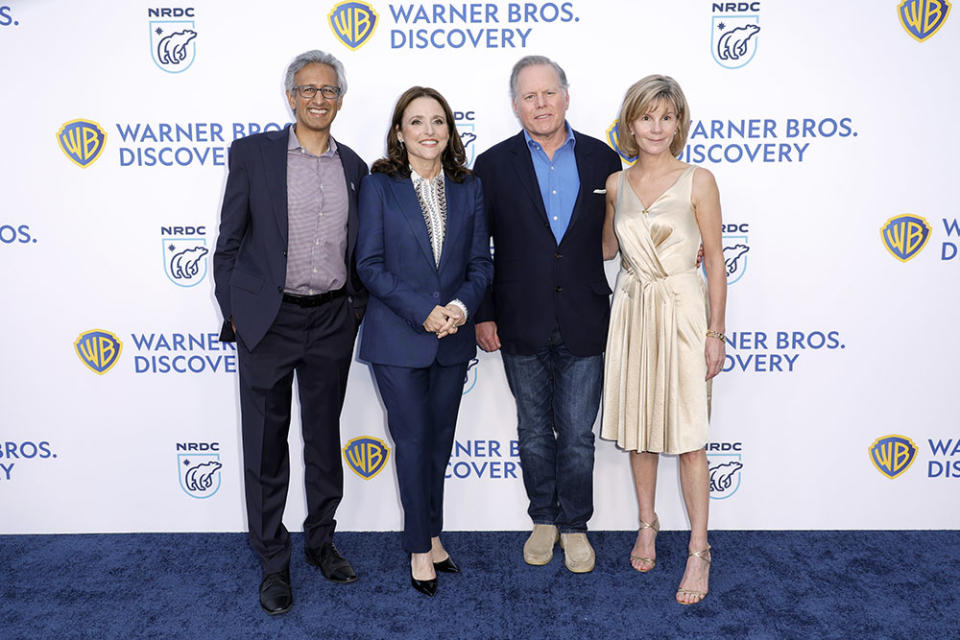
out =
column 444, row 321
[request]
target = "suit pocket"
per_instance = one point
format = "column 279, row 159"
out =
column 245, row 281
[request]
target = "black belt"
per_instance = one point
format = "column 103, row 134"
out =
column 314, row 301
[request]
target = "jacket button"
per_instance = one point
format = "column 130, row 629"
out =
column 436, row 294
column 558, row 255
column 279, row 289
column 559, row 289
column 284, row 253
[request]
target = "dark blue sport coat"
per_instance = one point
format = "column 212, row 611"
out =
column 395, row 262
column 537, row 283
column 250, row 261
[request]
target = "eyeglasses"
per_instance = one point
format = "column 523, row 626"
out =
column 328, row 92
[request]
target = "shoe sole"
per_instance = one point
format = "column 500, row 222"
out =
column 277, row 613
column 537, row 562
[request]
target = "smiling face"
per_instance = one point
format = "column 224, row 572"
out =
column 653, row 131
column 317, row 113
column 541, row 102
column 424, row 131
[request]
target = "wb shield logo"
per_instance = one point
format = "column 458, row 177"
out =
column 724, row 474
column 172, row 44
column 199, row 473
column 353, row 23
column 734, row 40
column 366, row 455
column 905, row 235
column 81, row 141
column 98, row 350
column 613, row 139
column 892, row 455
column 185, row 260
column 923, row 18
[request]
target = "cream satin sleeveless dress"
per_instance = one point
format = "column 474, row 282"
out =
column 655, row 397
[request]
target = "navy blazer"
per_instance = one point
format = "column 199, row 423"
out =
column 250, row 261
column 539, row 284
column 395, row 262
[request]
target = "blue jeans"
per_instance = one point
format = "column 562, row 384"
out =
column 558, row 397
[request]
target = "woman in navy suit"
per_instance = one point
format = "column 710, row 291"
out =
column 423, row 253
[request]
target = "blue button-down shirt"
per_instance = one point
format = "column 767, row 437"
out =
column 559, row 181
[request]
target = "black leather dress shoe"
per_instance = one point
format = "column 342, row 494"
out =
column 275, row 594
column 447, row 566
column 333, row 566
column 426, row 587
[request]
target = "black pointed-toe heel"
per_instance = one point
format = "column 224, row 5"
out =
column 447, row 566
column 426, row 587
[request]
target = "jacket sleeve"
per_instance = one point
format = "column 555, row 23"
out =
column 234, row 219
column 486, row 309
column 411, row 305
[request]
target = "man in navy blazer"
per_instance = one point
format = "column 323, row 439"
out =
column 548, row 308
column 287, row 286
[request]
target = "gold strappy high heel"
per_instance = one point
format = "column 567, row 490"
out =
column 655, row 525
column 699, row 595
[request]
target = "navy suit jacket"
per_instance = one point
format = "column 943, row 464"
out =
column 250, row 261
column 395, row 262
column 537, row 283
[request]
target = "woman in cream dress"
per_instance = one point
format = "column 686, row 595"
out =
column 666, row 340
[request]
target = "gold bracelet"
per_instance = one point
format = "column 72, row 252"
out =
column 716, row 334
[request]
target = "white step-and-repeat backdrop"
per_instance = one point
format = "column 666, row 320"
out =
column 830, row 127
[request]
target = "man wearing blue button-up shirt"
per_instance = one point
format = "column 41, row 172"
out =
column 548, row 308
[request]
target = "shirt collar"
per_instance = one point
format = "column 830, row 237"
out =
column 417, row 178
column 569, row 140
column 293, row 144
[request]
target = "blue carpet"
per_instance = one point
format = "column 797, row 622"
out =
column 783, row 584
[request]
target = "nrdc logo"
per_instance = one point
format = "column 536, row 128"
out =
column 466, row 127
column 366, row 455
column 185, row 254
column 353, row 23
column 923, row 18
column 905, row 235
column 736, row 246
column 470, row 380
column 199, row 468
column 733, row 37
column 893, row 454
column 725, row 461
column 98, row 349
column 173, row 41
column 82, row 141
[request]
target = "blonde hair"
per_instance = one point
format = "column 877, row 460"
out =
column 640, row 99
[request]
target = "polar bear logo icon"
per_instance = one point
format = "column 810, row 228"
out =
column 733, row 44
column 185, row 264
column 467, row 137
column 721, row 475
column 731, row 257
column 172, row 49
column 200, row 477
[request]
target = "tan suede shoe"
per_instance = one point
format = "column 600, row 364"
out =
column 538, row 549
column 578, row 555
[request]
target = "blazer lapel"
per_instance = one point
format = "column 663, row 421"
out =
column 409, row 206
column 275, row 173
column 583, row 156
column 457, row 208
column 528, row 176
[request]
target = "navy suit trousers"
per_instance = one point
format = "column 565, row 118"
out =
column 422, row 406
column 317, row 344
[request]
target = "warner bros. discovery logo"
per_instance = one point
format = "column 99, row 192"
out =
column 353, row 23
column 725, row 460
column 199, row 468
column 893, row 454
column 923, row 18
column 98, row 349
column 905, row 235
column 82, row 141
column 366, row 455
column 173, row 42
